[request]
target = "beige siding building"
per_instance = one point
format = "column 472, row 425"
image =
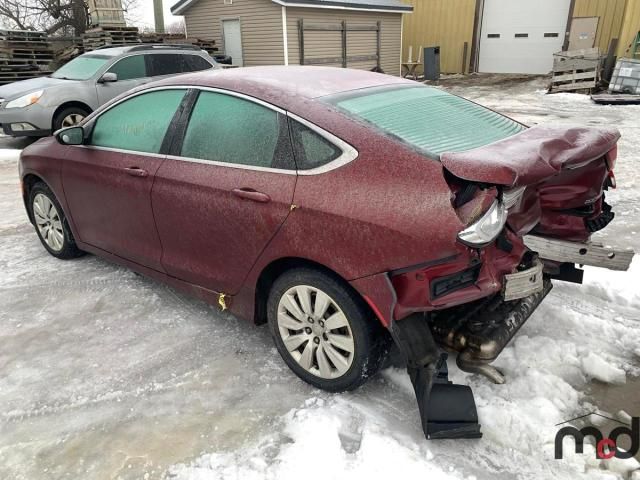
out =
column 363, row 34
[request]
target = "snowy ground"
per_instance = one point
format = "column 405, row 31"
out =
column 107, row 375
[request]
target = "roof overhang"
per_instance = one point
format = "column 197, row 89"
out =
column 392, row 7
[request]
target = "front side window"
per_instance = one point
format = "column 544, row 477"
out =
column 130, row 68
column 311, row 149
column 81, row 68
column 138, row 124
column 427, row 118
column 224, row 128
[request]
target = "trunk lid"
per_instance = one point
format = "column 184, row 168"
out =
column 560, row 170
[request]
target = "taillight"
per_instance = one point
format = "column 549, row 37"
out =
column 485, row 230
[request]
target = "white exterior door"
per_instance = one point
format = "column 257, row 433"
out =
column 233, row 41
column 521, row 36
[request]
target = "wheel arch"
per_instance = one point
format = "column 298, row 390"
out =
column 72, row 103
column 28, row 181
column 277, row 267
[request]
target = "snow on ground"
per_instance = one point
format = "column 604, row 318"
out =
column 105, row 374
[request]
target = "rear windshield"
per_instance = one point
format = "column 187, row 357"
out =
column 427, row 118
column 81, row 68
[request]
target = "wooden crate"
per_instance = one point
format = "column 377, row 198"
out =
column 576, row 70
column 106, row 13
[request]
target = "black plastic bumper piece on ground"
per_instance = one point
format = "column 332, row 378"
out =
column 446, row 410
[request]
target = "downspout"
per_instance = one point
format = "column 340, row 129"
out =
column 285, row 40
column 401, row 38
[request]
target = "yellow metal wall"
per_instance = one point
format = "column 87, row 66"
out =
column 630, row 27
column 447, row 23
column 611, row 14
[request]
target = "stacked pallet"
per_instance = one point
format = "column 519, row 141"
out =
column 23, row 55
column 179, row 39
column 576, row 70
column 109, row 37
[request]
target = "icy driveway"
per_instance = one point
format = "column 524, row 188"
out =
column 104, row 374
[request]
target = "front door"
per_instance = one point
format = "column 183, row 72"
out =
column 131, row 71
column 224, row 195
column 107, row 182
column 233, row 41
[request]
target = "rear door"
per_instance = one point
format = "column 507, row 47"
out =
column 225, row 191
column 107, row 183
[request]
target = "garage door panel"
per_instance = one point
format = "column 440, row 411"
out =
column 521, row 36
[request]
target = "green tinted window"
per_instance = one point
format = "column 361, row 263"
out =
column 430, row 119
column 81, row 68
column 138, row 124
column 129, row 68
column 229, row 129
column 311, row 149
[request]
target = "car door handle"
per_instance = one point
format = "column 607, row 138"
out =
column 251, row 194
column 136, row 172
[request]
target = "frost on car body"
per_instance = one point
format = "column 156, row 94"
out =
column 318, row 199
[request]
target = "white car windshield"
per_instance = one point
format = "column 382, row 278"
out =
column 81, row 68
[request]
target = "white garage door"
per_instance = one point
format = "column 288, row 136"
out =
column 521, row 36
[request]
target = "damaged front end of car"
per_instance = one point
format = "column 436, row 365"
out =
column 528, row 206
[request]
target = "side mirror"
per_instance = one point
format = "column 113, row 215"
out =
column 71, row 136
column 108, row 78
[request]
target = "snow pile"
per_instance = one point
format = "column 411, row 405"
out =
column 9, row 155
column 324, row 439
column 595, row 366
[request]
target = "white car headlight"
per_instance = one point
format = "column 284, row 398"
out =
column 485, row 230
column 25, row 100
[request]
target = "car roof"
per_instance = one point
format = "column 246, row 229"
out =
column 286, row 86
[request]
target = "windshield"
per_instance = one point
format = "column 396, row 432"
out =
column 428, row 118
column 82, row 67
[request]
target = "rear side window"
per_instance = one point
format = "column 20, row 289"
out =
column 138, row 124
column 165, row 64
column 311, row 150
column 428, row 118
column 129, row 68
column 224, row 128
column 194, row 63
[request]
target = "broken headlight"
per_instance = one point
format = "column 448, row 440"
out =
column 485, row 230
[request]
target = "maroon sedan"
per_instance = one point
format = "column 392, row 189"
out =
column 349, row 210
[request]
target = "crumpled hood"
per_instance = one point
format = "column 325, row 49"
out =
column 16, row 89
column 532, row 155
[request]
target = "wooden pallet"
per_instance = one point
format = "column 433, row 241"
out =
column 109, row 37
column 179, row 39
column 23, row 55
column 575, row 70
column 616, row 99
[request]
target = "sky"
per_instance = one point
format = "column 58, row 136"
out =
column 142, row 14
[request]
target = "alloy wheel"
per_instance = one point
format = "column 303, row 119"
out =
column 48, row 222
column 315, row 331
column 72, row 119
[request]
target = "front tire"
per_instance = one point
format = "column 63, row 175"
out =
column 69, row 117
column 323, row 330
column 51, row 224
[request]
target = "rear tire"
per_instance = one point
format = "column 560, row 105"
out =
column 324, row 331
column 51, row 224
column 69, row 117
